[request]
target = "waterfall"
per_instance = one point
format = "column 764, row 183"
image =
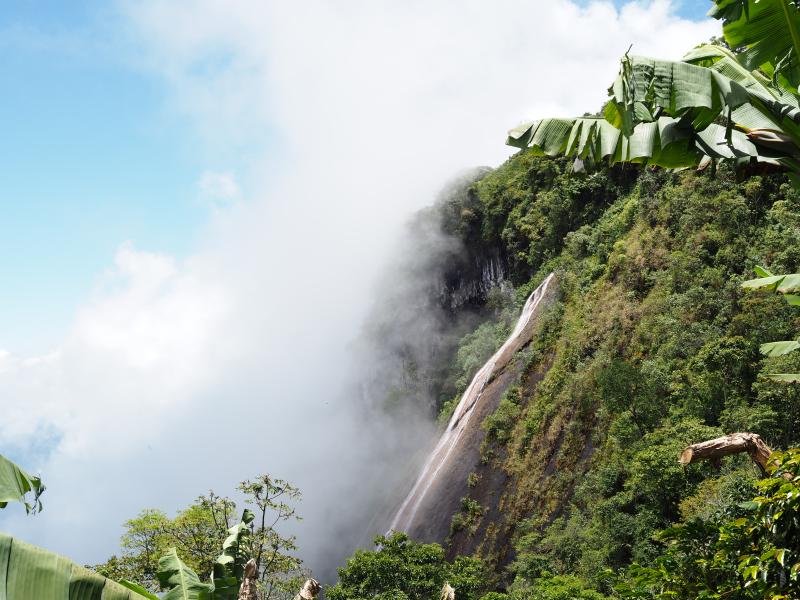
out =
column 438, row 459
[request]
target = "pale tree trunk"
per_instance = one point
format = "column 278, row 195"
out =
column 733, row 443
column 247, row 591
column 309, row 591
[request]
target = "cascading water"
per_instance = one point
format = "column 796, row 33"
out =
column 442, row 458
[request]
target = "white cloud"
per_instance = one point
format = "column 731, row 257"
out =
column 182, row 375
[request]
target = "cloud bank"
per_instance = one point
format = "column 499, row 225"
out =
column 183, row 374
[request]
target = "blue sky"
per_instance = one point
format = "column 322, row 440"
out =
column 689, row 9
column 90, row 158
column 694, row 9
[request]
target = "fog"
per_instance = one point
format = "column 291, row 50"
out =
column 188, row 373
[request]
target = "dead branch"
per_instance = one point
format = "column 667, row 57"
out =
column 733, row 443
column 448, row 593
column 310, row 590
column 247, row 591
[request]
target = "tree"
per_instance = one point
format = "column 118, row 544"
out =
column 624, row 387
column 402, row 568
column 199, row 531
column 278, row 569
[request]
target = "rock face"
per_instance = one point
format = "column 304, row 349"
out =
column 426, row 510
column 468, row 279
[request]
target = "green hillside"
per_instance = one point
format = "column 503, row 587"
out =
column 653, row 346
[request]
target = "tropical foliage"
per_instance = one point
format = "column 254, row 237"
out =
column 30, row 572
column 715, row 105
column 752, row 553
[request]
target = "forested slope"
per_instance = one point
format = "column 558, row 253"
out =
column 651, row 346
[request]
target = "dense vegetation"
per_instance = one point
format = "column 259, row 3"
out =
column 652, row 346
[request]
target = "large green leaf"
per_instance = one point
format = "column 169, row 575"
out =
column 180, row 581
column 647, row 88
column 700, row 95
column 15, row 484
column 29, row 572
column 768, row 107
column 768, row 31
column 779, row 348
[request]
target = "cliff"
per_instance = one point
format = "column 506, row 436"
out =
column 649, row 346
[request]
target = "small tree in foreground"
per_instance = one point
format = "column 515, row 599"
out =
column 402, row 568
column 198, row 532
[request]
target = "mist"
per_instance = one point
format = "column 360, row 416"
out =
column 182, row 374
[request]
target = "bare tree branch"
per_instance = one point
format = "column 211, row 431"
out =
column 733, row 443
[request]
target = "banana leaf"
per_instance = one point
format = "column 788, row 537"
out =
column 782, row 284
column 666, row 142
column 770, row 106
column 700, row 95
column 15, row 484
column 768, row 31
column 647, row 88
column 29, row 572
column 138, row 589
column 180, row 581
column 779, row 348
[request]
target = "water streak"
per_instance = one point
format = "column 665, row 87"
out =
column 439, row 457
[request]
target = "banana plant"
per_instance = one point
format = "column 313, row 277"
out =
column 714, row 105
column 789, row 286
column 182, row 583
column 16, row 484
column 229, row 567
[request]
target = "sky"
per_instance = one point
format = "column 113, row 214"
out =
column 197, row 203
